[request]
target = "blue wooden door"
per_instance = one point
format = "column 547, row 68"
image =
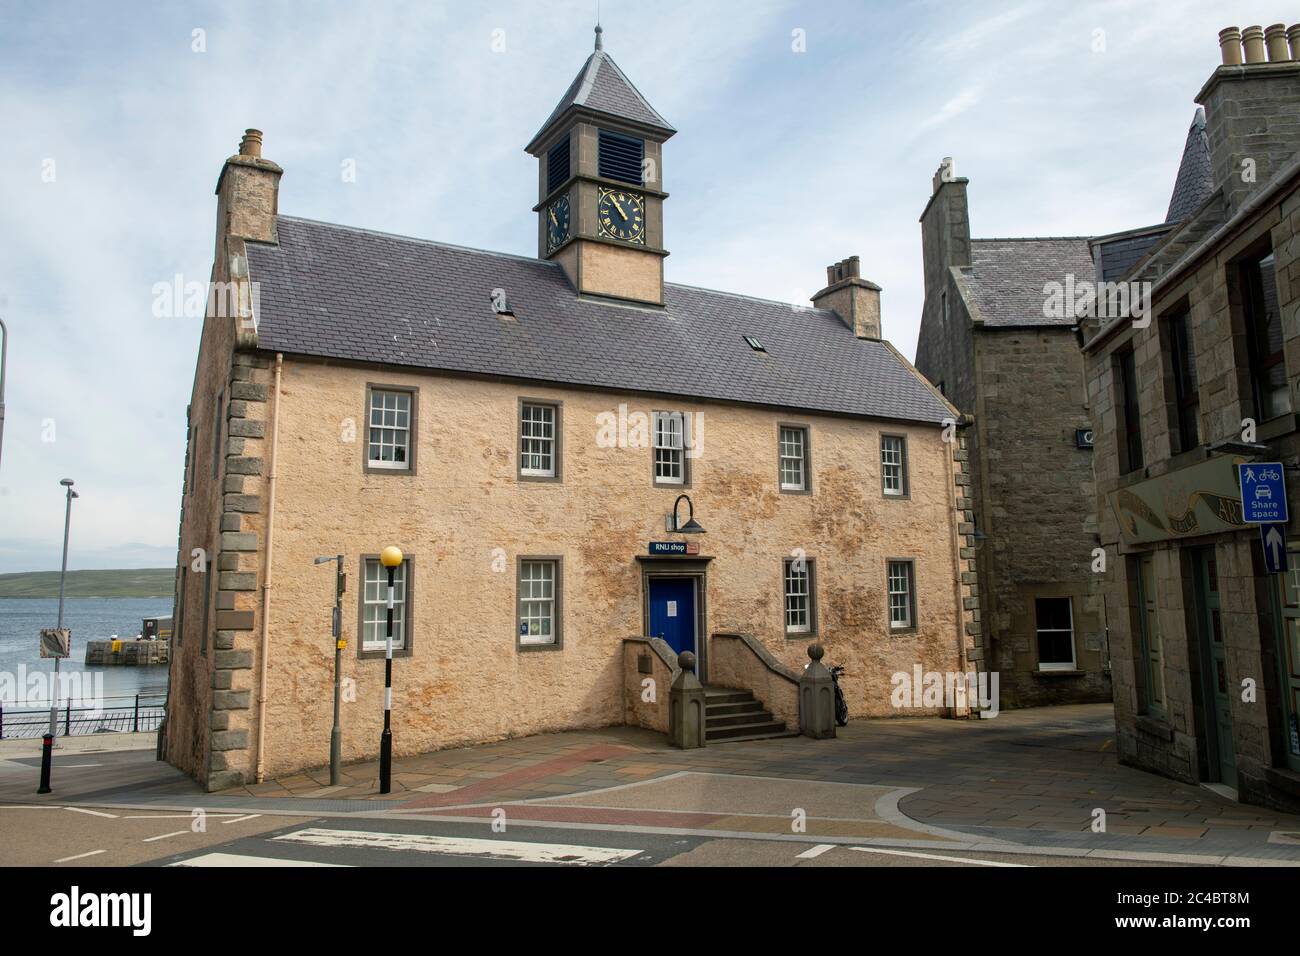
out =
column 672, row 612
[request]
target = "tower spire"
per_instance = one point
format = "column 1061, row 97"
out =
column 600, row 44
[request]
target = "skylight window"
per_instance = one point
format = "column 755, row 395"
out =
column 754, row 344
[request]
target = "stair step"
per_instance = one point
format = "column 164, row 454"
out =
column 726, row 695
column 739, row 707
column 755, row 716
column 759, row 728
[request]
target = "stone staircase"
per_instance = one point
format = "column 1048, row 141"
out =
column 731, row 715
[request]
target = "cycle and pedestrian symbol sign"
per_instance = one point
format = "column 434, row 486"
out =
column 1263, row 492
column 1263, row 502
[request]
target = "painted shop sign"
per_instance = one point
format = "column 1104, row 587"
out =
column 1202, row 499
column 674, row 547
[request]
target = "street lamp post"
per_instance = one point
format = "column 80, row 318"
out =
column 390, row 558
column 67, row 520
column 336, row 629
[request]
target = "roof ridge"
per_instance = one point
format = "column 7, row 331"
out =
column 541, row 262
column 1033, row 239
column 426, row 242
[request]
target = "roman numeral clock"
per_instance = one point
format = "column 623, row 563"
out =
column 621, row 215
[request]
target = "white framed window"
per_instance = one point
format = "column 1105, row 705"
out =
column 374, row 606
column 800, row 604
column 893, row 465
column 902, row 597
column 538, row 601
column 793, row 451
column 669, row 448
column 538, row 446
column 1054, row 620
column 389, row 435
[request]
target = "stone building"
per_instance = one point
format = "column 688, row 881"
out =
column 1205, row 641
column 524, row 430
column 998, row 350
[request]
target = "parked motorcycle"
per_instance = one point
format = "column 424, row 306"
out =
column 841, row 705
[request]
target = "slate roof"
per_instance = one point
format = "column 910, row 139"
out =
column 602, row 87
column 1005, row 283
column 343, row 293
column 1195, row 181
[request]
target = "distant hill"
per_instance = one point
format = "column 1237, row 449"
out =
column 128, row 583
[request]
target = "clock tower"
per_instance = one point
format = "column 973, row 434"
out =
column 600, row 185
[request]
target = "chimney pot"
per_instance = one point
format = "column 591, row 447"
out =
column 251, row 144
column 1293, row 35
column 1252, row 40
column 1230, row 46
column 1275, row 41
column 854, row 267
column 830, row 275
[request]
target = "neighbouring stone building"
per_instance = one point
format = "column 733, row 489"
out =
column 524, row 429
column 1205, row 641
column 997, row 350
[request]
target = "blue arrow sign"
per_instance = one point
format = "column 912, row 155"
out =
column 1263, row 492
column 1272, row 537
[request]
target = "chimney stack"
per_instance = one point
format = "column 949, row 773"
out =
column 854, row 299
column 1252, row 108
column 248, row 200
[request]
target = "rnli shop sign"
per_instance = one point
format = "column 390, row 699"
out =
column 674, row 547
column 1263, row 492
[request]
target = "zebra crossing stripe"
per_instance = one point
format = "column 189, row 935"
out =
column 236, row 859
column 462, row 846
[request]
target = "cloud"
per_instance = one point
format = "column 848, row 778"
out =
column 785, row 161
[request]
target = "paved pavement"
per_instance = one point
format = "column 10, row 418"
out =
column 1028, row 785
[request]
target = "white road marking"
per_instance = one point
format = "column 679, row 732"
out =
column 250, row 816
column 813, row 852
column 174, row 816
column 462, row 846
column 78, row 766
column 43, row 806
column 81, row 856
column 236, row 859
column 166, row 835
column 93, row 813
column 937, row 856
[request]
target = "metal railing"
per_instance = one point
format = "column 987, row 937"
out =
column 139, row 712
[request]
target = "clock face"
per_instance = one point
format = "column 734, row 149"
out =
column 622, row 215
column 557, row 223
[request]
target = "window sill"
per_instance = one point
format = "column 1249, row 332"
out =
column 553, row 646
column 1061, row 672
column 379, row 654
column 799, row 635
column 910, row 629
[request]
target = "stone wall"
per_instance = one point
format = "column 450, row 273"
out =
column 1174, row 742
column 464, row 518
column 1036, row 512
column 740, row 662
column 647, row 658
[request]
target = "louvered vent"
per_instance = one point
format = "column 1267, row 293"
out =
column 620, row 157
column 557, row 166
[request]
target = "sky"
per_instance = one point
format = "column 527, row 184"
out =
column 808, row 132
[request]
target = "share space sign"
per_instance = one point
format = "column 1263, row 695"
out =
column 1263, row 492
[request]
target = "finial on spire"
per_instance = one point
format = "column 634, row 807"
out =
column 600, row 45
